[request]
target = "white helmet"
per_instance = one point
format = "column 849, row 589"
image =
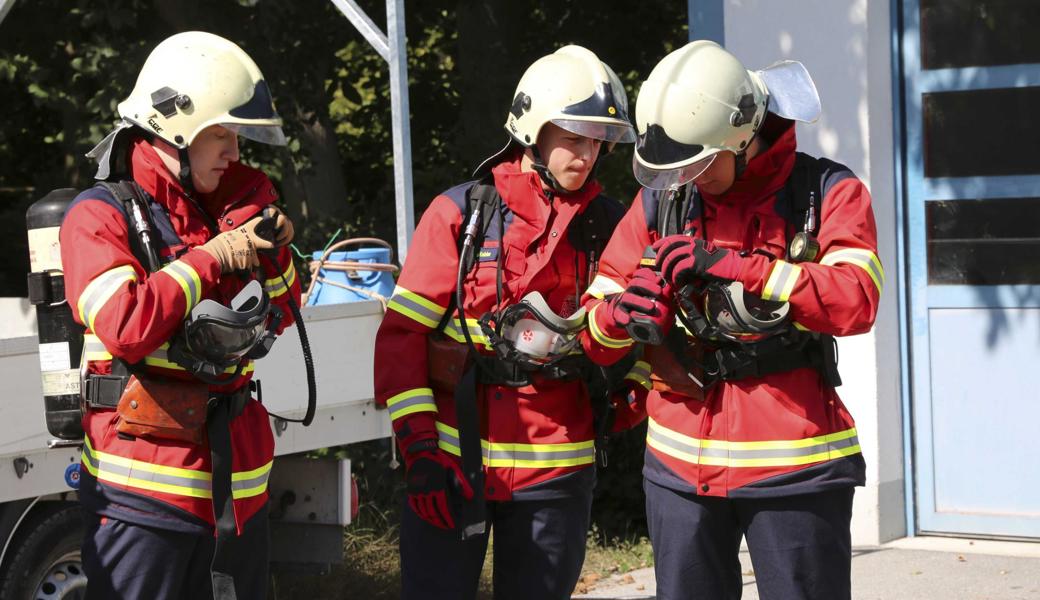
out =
column 574, row 90
column 196, row 79
column 700, row 100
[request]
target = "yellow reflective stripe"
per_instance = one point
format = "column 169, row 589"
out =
column 640, row 373
column 247, row 484
column 169, row 480
column 602, row 338
column 93, row 349
column 416, row 307
column 862, row 258
column 799, row 326
column 144, row 475
column 454, row 330
column 159, row 359
column 752, row 454
column 188, row 278
column 276, row 286
column 411, row 401
column 603, row 286
column 100, row 289
column 781, row 282
column 525, row 456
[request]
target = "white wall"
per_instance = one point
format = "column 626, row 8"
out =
column 846, row 46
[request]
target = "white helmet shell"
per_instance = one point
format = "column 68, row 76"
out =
column 193, row 80
column 572, row 89
column 698, row 101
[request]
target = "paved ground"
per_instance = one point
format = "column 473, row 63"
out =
column 907, row 569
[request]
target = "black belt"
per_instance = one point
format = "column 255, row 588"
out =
column 104, row 391
column 495, row 371
column 735, row 363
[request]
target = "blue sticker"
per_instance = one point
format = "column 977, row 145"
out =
column 487, row 253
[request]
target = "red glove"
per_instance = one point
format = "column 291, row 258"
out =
column 682, row 259
column 434, row 482
column 647, row 299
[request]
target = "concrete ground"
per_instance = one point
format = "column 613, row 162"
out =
column 920, row 568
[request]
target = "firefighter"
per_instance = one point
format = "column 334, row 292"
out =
column 537, row 223
column 764, row 254
column 177, row 451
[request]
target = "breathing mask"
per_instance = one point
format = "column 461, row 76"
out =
column 727, row 312
column 531, row 333
column 217, row 337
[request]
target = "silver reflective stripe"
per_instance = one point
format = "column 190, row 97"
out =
column 188, row 279
column 143, row 475
column 248, row 484
column 419, row 399
column 711, row 452
column 454, row 330
column 496, row 453
column 101, row 289
column 540, row 455
column 419, row 309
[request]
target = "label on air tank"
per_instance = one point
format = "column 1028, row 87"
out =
column 44, row 249
column 55, row 357
column 60, row 383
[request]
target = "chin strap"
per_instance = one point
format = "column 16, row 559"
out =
column 184, row 177
column 543, row 171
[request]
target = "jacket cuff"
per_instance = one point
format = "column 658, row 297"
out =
column 604, row 329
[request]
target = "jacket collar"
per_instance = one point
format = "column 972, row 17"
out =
column 523, row 193
column 766, row 173
column 149, row 171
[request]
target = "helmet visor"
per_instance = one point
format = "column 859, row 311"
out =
column 265, row 134
column 666, row 179
column 608, row 132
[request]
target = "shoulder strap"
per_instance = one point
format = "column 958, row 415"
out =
column 134, row 203
column 483, row 194
column 804, row 193
column 667, row 211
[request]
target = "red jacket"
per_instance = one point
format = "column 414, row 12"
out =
column 533, row 434
column 785, row 433
column 131, row 314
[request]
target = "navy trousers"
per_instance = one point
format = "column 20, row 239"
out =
column 124, row 561
column 539, row 548
column 800, row 546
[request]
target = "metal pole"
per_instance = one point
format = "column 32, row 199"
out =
column 5, row 7
column 705, row 19
column 364, row 25
column 401, row 124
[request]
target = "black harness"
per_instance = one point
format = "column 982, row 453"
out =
column 799, row 203
column 486, row 216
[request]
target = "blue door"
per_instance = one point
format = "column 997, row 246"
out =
column 971, row 75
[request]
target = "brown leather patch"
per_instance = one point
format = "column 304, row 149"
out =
column 446, row 361
column 163, row 409
column 667, row 375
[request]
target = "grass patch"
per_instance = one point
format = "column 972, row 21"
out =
column 372, row 568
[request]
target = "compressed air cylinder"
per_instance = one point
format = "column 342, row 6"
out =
column 61, row 338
